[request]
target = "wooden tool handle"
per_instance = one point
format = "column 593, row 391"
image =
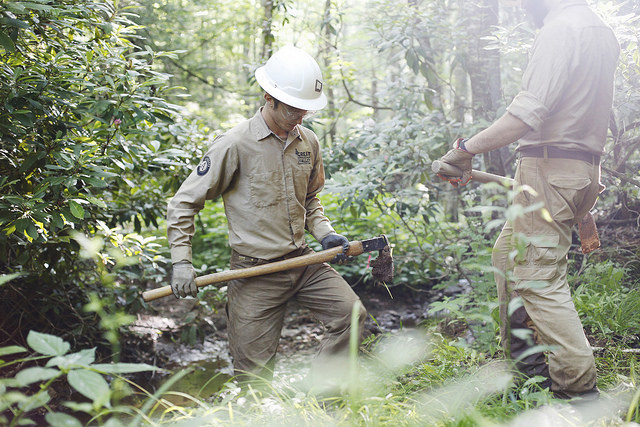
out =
column 479, row 176
column 355, row 249
column 587, row 229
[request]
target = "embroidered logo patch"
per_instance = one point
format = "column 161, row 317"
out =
column 204, row 166
column 304, row 157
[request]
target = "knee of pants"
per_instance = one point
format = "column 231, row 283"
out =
column 344, row 321
column 362, row 313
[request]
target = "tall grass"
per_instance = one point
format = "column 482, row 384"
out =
column 411, row 378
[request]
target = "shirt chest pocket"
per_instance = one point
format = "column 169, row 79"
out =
column 301, row 177
column 265, row 189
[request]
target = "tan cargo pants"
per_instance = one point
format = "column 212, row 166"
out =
column 568, row 189
column 256, row 310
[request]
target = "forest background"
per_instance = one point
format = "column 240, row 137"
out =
column 106, row 106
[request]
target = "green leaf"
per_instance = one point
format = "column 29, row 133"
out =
column 7, row 43
column 97, row 202
column 90, row 385
column 62, row 420
column 28, row 163
column 35, row 401
column 164, row 117
column 76, row 209
column 46, row 344
column 12, row 349
column 107, row 27
column 36, row 6
column 57, row 221
column 123, row 368
column 6, row 278
column 81, row 358
column 31, row 231
column 11, row 398
column 36, row 374
column 14, row 22
column 79, row 406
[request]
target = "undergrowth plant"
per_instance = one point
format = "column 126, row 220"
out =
column 409, row 378
column 30, row 390
column 608, row 302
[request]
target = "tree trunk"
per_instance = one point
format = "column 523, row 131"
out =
column 329, row 137
column 484, row 74
column 267, row 33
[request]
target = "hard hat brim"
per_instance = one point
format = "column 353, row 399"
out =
column 265, row 83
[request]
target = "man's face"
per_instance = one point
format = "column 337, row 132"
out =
column 537, row 10
column 286, row 117
column 282, row 118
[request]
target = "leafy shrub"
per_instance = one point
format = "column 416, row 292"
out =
column 87, row 142
column 606, row 304
column 19, row 401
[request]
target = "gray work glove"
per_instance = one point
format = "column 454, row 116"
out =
column 461, row 159
column 183, row 280
column 333, row 240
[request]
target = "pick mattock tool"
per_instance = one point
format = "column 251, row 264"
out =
column 356, row 247
column 589, row 239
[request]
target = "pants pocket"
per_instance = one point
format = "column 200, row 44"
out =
column 540, row 262
column 567, row 197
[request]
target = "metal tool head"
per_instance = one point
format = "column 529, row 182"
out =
column 382, row 267
column 375, row 244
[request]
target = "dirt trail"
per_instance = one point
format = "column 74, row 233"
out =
column 158, row 333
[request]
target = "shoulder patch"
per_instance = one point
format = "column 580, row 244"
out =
column 204, row 166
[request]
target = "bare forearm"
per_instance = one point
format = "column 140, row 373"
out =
column 504, row 131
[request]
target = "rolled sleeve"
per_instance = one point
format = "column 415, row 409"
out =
column 547, row 76
column 529, row 109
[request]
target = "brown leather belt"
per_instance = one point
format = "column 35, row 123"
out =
column 292, row 254
column 559, row 153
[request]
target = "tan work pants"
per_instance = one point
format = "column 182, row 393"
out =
column 567, row 189
column 256, row 310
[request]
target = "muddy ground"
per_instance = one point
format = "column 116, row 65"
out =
column 158, row 332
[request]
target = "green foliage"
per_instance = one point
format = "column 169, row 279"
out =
column 607, row 303
column 216, row 52
column 93, row 140
column 20, row 399
column 388, row 192
column 211, row 250
column 87, row 143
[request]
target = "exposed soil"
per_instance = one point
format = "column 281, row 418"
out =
column 156, row 337
column 158, row 332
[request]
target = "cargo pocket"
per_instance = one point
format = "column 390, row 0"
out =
column 265, row 189
column 568, row 196
column 540, row 264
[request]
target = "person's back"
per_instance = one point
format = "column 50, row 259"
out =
column 573, row 60
column 560, row 119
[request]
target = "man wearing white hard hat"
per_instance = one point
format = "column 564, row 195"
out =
column 269, row 171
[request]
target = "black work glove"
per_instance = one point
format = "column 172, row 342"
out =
column 333, row 240
column 183, row 280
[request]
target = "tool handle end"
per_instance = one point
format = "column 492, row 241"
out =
column 154, row 294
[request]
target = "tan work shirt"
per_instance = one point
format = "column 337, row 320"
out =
column 269, row 188
column 567, row 88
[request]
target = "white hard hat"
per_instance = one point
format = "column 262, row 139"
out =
column 292, row 76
